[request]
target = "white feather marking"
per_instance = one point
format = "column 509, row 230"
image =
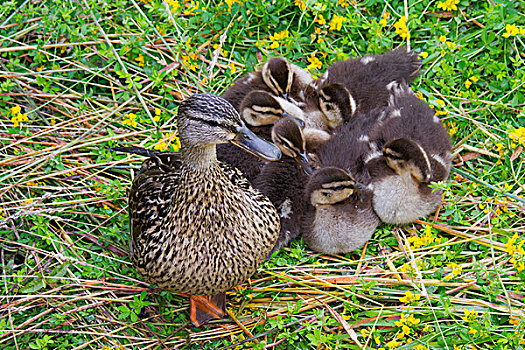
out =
column 373, row 155
column 395, row 113
column 367, row 59
column 286, row 209
column 364, row 138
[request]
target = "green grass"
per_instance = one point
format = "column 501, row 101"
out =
column 94, row 74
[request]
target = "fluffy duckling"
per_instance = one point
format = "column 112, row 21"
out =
column 283, row 182
column 198, row 227
column 358, row 85
column 278, row 76
column 410, row 148
column 340, row 217
column 260, row 110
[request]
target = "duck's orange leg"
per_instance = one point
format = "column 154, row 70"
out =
column 204, row 308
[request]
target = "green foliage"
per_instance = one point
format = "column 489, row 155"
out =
column 92, row 75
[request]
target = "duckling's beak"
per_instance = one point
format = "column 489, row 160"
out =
column 299, row 122
column 359, row 186
column 250, row 142
column 303, row 161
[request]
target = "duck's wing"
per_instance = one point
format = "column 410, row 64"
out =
column 151, row 191
column 164, row 161
column 150, row 200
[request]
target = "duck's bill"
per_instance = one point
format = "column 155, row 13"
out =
column 304, row 162
column 299, row 122
column 250, row 142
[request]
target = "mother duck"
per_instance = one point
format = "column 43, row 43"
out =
column 197, row 225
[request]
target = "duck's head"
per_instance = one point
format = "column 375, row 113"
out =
column 260, row 108
column 277, row 73
column 405, row 155
column 288, row 136
column 205, row 120
column 337, row 103
column 329, row 186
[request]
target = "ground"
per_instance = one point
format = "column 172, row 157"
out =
column 80, row 77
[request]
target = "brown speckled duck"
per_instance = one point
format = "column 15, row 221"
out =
column 197, row 225
column 259, row 110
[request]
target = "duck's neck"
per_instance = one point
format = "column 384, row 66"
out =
column 199, row 158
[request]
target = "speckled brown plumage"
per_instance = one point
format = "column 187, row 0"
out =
column 198, row 227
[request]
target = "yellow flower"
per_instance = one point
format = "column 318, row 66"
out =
column 393, row 344
column 450, row 45
column 515, row 321
column 409, row 297
column 405, row 329
column 442, row 38
column 129, row 120
column 456, row 269
column 188, row 62
column 140, row 60
column 230, row 3
column 412, row 320
column 314, row 62
column 511, row 30
column 518, row 135
column 470, row 315
column 507, row 187
column 232, row 66
column 343, row 3
column 301, row 4
column 157, row 111
column 474, row 79
column 337, row 22
column 382, row 22
column 320, row 19
column 191, row 6
column 423, row 54
column 468, row 83
column 39, row 69
column 420, row 347
column 401, row 28
column 448, row 5
column 277, row 37
column 365, row 332
column 174, row 5
column 472, row 331
column 52, row 122
column 16, row 109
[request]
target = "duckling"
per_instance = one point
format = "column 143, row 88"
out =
column 410, row 148
column 260, row 110
column 340, row 217
column 362, row 84
column 283, row 182
column 202, row 229
column 278, row 76
column 285, row 79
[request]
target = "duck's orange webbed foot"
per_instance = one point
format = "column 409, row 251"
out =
column 204, row 308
